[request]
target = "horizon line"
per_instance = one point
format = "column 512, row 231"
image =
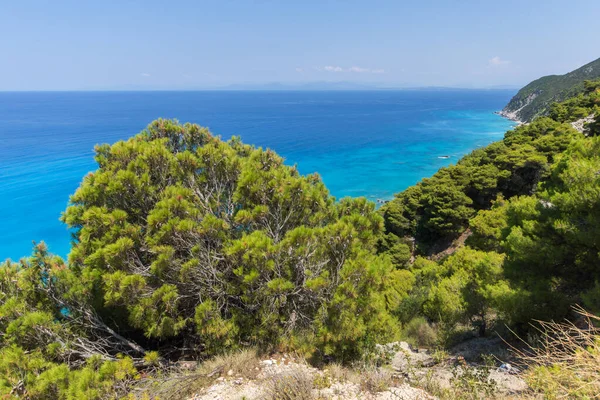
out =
column 258, row 89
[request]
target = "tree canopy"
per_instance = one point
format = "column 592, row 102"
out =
column 221, row 243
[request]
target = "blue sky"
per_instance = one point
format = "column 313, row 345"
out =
column 75, row 45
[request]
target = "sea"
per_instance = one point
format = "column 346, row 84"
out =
column 362, row 143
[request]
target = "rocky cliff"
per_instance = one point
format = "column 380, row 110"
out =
column 534, row 99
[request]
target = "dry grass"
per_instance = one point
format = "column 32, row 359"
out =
column 296, row 384
column 243, row 363
column 183, row 384
column 339, row 373
column 375, row 380
column 565, row 363
column 369, row 378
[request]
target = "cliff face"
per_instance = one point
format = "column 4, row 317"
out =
column 534, row 99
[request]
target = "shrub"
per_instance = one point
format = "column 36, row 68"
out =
column 440, row 355
column 237, row 363
column 380, row 355
column 296, row 384
column 375, row 380
column 321, row 381
column 338, row 372
column 420, row 333
column 219, row 243
column 473, row 382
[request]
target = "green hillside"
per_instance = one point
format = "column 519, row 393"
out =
column 535, row 99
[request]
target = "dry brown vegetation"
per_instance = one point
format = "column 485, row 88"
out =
column 242, row 363
column 295, row 384
column 565, row 360
column 180, row 384
column 375, row 380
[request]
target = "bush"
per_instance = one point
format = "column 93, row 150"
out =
column 420, row 333
column 321, row 381
column 339, row 373
column 237, row 363
column 296, row 384
column 375, row 380
column 29, row 375
column 473, row 382
column 219, row 243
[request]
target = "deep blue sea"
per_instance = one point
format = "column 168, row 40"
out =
column 369, row 144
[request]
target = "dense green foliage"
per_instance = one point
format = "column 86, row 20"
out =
column 529, row 209
column 220, row 244
column 440, row 207
column 536, row 98
column 552, row 240
column 580, row 106
column 184, row 243
column 52, row 343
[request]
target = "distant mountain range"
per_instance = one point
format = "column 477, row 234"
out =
column 342, row 85
column 297, row 86
column 345, row 85
column 535, row 99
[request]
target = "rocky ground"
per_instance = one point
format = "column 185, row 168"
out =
column 324, row 386
column 461, row 366
column 580, row 124
column 409, row 374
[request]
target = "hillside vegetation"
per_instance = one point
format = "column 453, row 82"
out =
column 186, row 247
column 529, row 208
column 536, row 98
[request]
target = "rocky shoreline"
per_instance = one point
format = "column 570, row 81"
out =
column 510, row 115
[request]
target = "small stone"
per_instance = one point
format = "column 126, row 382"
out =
column 230, row 372
column 508, row 368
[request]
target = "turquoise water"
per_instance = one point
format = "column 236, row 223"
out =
column 369, row 144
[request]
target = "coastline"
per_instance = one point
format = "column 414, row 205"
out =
column 512, row 116
column 379, row 201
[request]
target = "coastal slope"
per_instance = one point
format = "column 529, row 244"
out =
column 535, row 99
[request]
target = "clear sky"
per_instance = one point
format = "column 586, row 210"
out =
column 75, row 45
